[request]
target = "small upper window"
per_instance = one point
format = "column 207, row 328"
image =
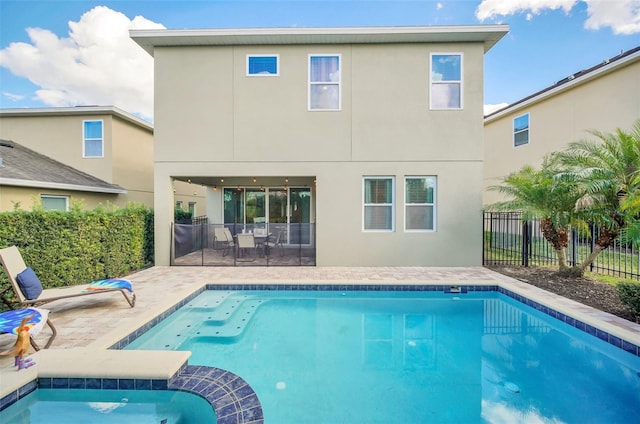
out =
column 93, row 145
column 262, row 65
column 521, row 130
column 446, row 81
column 324, row 82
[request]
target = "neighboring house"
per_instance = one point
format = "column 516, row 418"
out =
column 102, row 141
column 27, row 176
column 373, row 136
column 604, row 97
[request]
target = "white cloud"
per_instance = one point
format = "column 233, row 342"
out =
column 623, row 16
column 489, row 109
column 491, row 8
column 13, row 97
column 97, row 64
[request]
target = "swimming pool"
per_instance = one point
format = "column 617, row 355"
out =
column 54, row 406
column 369, row 357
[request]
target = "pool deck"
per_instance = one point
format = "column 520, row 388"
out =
column 87, row 326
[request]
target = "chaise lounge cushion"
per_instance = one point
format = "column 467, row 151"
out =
column 29, row 283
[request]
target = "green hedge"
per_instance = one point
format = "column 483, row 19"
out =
column 77, row 247
column 630, row 295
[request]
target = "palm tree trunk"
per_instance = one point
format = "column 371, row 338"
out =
column 591, row 257
column 562, row 259
column 606, row 239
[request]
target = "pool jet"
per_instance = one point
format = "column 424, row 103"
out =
column 22, row 345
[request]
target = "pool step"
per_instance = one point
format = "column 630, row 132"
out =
column 209, row 299
column 230, row 322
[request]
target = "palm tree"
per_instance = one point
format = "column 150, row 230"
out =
column 631, row 206
column 607, row 172
column 539, row 194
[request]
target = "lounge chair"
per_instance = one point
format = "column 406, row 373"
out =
column 10, row 321
column 29, row 291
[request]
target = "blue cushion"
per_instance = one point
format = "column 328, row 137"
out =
column 29, row 284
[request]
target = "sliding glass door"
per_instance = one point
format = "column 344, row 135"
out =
column 284, row 209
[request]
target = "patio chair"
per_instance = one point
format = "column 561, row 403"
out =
column 223, row 237
column 28, row 288
column 273, row 243
column 10, row 321
column 246, row 244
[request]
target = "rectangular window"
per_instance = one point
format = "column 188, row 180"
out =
column 446, row 81
column 521, row 130
column 92, row 134
column 262, row 65
column 378, row 204
column 420, row 203
column 54, row 203
column 324, row 82
column 192, row 209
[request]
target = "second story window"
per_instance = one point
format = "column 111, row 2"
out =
column 521, row 130
column 324, row 82
column 93, row 139
column 262, row 65
column 446, row 81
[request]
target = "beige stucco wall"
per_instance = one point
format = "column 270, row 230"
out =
column 604, row 104
column 211, row 119
column 60, row 138
column 23, row 198
column 132, row 164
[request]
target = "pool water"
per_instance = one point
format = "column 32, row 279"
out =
column 54, row 406
column 399, row 357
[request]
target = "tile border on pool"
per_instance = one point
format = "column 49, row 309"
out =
column 15, row 396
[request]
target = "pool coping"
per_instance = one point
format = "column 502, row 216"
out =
column 238, row 403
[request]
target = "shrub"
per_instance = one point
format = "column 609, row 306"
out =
column 77, row 247
column 630, row 295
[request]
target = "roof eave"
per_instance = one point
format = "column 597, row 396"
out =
column 60, row 186
column 148, row 39
column 77, row 110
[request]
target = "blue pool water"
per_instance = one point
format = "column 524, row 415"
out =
column 66, row 406
column 398, row 357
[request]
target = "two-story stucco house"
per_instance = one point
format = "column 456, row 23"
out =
column 372, row 136
column 604, row 97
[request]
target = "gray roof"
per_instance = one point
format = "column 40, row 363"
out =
column 23, row 167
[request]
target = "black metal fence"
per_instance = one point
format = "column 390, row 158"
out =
column 510, row 241
column 200, row 243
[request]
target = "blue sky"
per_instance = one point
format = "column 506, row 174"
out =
column 74, row 52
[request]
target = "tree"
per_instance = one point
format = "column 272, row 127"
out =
column 607, row 172
column 540, row 194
